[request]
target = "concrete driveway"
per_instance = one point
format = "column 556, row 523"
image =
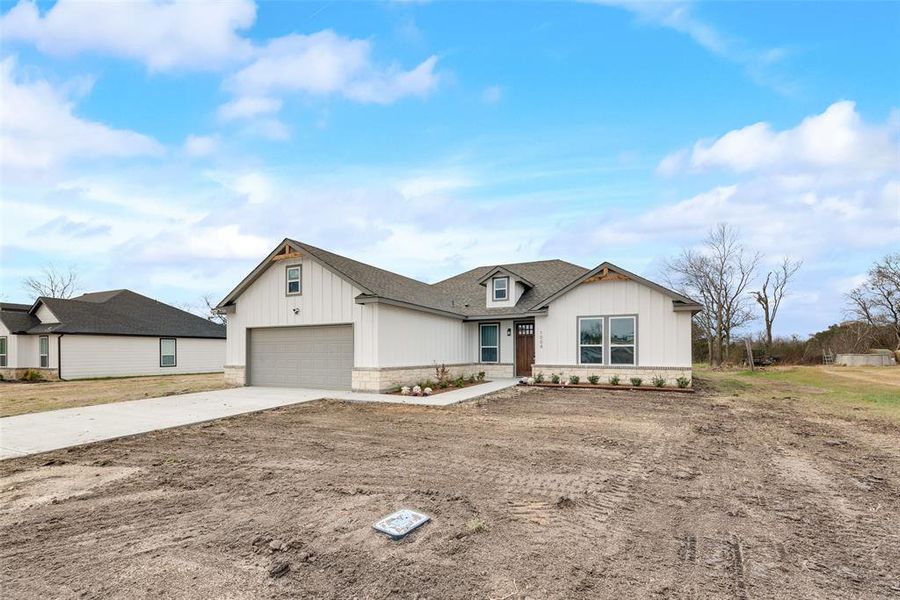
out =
column 22, row 435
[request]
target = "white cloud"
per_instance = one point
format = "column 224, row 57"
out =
column 492, row 94
column 39, row 130
column 323, row 64
column 201, row 145
column 838, row 140
column 679, row 15
column 163, row 35
column 247, row 107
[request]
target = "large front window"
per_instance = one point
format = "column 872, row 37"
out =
column 167, row 352
column 501, row 288
column 621, row 340
column 490, row 343
column 590, row 340
column 44, row 351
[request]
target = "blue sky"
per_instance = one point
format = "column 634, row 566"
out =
column 167, row 147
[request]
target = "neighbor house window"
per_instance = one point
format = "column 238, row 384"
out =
column 590, row 340
column 622, row 340
column 294, row 277
column 2, row 351
column 167, row 349
column 501, row 288
column 490, row 343
column 44, row 351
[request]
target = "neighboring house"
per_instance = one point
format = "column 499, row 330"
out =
column 311, row 318
column 106, row 334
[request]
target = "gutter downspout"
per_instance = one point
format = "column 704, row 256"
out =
column 59, row 356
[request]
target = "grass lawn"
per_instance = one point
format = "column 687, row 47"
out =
column 19, row 398
column 838, row 390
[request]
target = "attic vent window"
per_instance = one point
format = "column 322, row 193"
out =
column 501, row 288
column 294, row 277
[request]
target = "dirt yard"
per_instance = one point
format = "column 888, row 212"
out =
column 18, row 398
column 748, row 489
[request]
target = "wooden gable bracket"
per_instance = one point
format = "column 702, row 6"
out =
column 605, row 275
column 286, row 253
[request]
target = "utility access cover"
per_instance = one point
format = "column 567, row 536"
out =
column 400, row 523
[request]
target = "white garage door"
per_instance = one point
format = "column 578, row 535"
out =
column 314, row 357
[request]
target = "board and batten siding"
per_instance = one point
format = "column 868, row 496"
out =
column 327, row 299
column 45, row 315
column 413, row 338
column 86, row 356
column 663, row 335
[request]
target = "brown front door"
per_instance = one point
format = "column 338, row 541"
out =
column 524, row 349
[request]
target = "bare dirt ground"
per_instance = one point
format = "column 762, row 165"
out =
column 18, row 398
column 733, row 492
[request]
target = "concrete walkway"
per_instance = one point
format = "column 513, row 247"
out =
column 22, row 435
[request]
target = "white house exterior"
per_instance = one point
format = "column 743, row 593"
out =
column 106, row 334
column 306, row 317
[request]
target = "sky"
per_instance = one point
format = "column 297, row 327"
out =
column 167, row 147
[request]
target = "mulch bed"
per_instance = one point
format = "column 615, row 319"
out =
column 604, row 386
column 436, row 390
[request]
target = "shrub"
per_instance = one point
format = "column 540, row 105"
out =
column 480, row 376
column 539, row 378
column 443, row 384
column 659, row 381
column 459, row 382
column 417, row 390
column 574, row 379
column 683, row 382
column 554, row 378
column 405, row 391
column 476, row 525
column 471, row 379
column 614, row 380
column 32, row 375
column 441, row 373
column 427, row 391
column 636, row 381
column 594, row 379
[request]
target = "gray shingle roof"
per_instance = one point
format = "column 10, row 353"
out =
column 123, row 312
column 15, row 318
column 470, row 298
column 463, row 295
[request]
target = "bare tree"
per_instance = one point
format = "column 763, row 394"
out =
column 54, row 283
column 717, row 276
column 772, row 292
column 211, row 313
column 877, row 300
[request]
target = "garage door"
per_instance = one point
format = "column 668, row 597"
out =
column 315, row 357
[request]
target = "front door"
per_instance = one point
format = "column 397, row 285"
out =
column 524, row 348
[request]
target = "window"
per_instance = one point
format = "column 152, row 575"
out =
column 294, row 276
column 167, row 351
column 590, row 340
column 501, row 288
column 2, row 351
column 490, row 343
column 621, row 341
column 44, row 351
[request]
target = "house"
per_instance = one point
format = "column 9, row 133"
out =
column 116, row 333
column 306, row 317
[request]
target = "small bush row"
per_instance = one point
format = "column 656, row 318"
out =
column 425, row 387
column 657, row 381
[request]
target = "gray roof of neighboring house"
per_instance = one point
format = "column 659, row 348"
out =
column 115, row 312
column 462, row 295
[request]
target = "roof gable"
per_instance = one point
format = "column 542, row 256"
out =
column 606, row 271
column 503, row 271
